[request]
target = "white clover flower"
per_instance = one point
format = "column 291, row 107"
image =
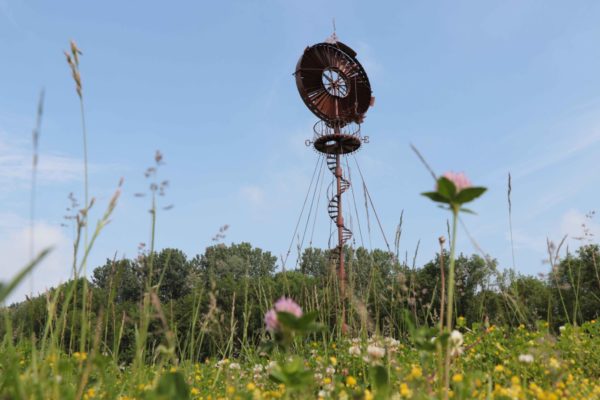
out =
column 258, row 368
column 354, row 350
column 318, row 376
column 330, row 370
column 456, row 338
column 322, row 393
column 456, row 342
column 526, row 358
column 234, row 366
column 375, row 352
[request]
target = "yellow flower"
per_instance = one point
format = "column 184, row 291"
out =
column 250, row 386
column 350, row 381
column 194, row 391
column 326, row 380
column 90, row 393
column 457, row 378
column 80, row 356
column 173, row 369
column 230, row 390
column 499, row 368
column 368, row 395
column 405, row 391
column 416, row 372
column 333, row 361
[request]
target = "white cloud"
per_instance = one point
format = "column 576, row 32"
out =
column 559, row 153
column 16, row 253
column 523, row 240
column 16, row 166
column 253, row 194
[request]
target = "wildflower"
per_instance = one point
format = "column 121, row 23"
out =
column 499, row 368
column 284, row 304
column 526, row 358
column 333, row 361
column 456, row 342
column 454, row 189
column 90, row 393
column 457, row 378
column 554, row 363
column 350, row 381
column 235, row 366
column 375, row 352
column 416, row 372
column 80, row 356
column 194, row 391
column 459, row 179
column 258, row 368
column 354, row 350
column 250, row 386
column 405, row 391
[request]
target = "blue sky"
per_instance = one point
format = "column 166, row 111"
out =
column 486, row 88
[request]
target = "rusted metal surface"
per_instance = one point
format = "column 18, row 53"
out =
column 333, row 84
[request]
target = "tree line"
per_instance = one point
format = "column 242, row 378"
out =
column 214, row 303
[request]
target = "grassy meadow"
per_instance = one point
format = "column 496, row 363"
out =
column 227, row 324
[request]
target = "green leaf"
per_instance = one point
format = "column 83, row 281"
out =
column 467, row 211
column 288, row 320
column 278, row 376
column 435, row 196
column 381, row 381
column 446, row 187
column 469, row 194
column 172, row 386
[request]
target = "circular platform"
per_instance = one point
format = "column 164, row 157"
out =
column 337, row 144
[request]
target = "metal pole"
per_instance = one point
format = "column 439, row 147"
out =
column 340, row 225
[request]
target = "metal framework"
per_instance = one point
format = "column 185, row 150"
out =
column 335, row 87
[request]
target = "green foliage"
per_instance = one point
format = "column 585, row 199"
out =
column 447, row 193
column 171, row 386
